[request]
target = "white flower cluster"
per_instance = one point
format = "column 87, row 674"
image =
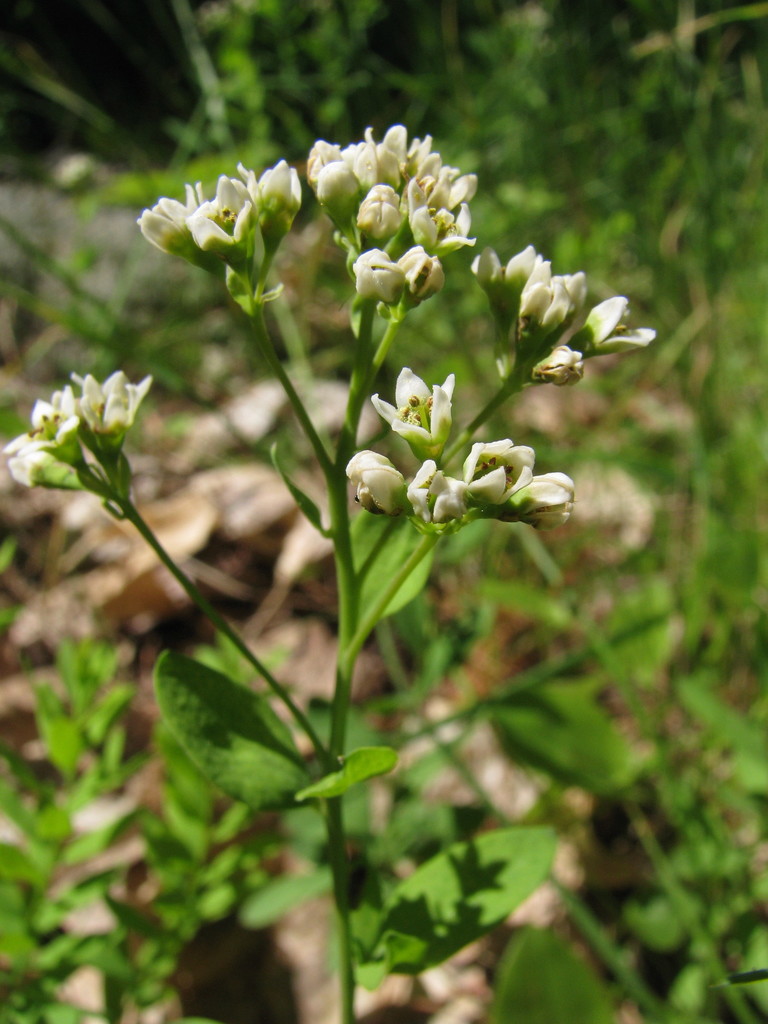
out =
column 49, row 453
column 226, row 225
column 543, row 328
column 497, row 478
column 401, row 197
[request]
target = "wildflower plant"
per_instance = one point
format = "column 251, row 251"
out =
column 401, row 217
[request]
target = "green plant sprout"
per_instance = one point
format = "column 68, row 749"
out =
column 401, row 216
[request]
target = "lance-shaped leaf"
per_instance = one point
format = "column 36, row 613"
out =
column 305, row 503
column 381, row 546
column 457, row 897
column 358, row 766
column 231, row 733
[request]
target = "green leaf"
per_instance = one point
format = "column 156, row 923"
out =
column 358, row 766
column 457, row 897
column 65, row 744
column 7, row 552
column 561, row 729
column 231, row 733
column 534, row 602
column 108, row 711
column 540, row 980
column 305, row 503
column 380, row 546
column 280, row 895
column 17, row 866
column 656, row 921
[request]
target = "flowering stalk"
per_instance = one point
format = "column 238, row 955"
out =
column 399, row 214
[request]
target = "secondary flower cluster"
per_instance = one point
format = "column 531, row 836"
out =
column 543, row 330
column 51, row 453
column 398, row 209
column 497, row 478
column 244, row 213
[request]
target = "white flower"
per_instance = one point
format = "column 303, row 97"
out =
column 45, row 455
column 550, row 302
column 423, row 273
column 435, row 497
column 54, row 425
column 421, row 416
column 438, row 230
column 449, row 189
column 450, row 498
column 497, row 470
column 421, row 162
column 603, row 332
column 35, row 466
column 110, row 408
column 418, row 490
column 379, row 215
column 380, row 487
column 378, row 277
column 562, row 366
column 165, row 225
column 545, row 503
column 221, row 225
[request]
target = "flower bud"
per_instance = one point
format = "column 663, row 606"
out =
column 562, row 366
column 379, row 216
column 279, row 193
column 165, row 226
column 321, row 154
column 337, row 189
column 423, row 273
column 378, row 277
column 380, row 487
column 545, row 503
column 373, row 164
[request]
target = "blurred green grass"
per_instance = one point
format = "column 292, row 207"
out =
column 628, row 140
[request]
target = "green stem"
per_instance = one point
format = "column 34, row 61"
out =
column 133, row 516
column 384, row 345
column 267, row 351
column 337, row 855
column 358, row 385
column 510, row 387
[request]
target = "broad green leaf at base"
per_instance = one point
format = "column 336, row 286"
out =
column 457, row 897
column 540, row 981
column 231, row 733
